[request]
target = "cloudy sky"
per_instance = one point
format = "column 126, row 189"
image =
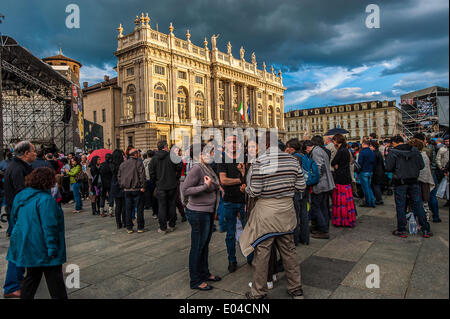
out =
column 327, row 54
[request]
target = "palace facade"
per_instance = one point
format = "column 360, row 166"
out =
column 169, row 83
column 360, row 119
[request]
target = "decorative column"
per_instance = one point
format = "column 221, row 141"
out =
column 216, row 100
column 255, row 106
column 122, row 104
column 265, row 122
column 138, row 110
column 282, row 113
column 151, row 115
column 208, row 100
column 244, row 102
column 274, row 107
column 192, row 114
column 173, row 111
column 229, row 106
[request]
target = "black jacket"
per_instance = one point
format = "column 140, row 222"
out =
column 163, row 171
column 342, row 174
column 15, row 179
column 405, row 162
column 106, row 174
column 378, row 171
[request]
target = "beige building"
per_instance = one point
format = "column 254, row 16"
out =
column 360, row 119
column 170, row 83
column 101, row 103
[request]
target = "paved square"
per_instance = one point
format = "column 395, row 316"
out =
column 114, row 264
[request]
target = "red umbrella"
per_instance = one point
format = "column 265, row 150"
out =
column 100, row 153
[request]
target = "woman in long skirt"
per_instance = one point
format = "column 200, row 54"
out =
column 343, row 209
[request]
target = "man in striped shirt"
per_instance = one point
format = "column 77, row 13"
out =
column 273, row 179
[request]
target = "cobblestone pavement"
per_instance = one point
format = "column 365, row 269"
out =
column 114, row 264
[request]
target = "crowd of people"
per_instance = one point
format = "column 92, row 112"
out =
column 269, row 198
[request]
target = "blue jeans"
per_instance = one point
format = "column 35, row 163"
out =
column 220, row 213
column 231, row 211
column 401, row 193
column 77, row 196
column 319, row 211
column 14, row 277
column 301, row 232
column 134, row 201
column 433, row 202
column 365, row 179
column 201, row 224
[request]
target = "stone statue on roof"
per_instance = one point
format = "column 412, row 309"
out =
column 229, row 48
column 120, row 29
column 253, row 58
column 242, row 52
column 213, row 40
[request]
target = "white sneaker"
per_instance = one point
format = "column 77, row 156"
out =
column 269, row 285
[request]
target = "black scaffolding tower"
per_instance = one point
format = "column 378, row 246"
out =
column 35, row 101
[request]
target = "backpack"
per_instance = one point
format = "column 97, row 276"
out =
column 310, row 169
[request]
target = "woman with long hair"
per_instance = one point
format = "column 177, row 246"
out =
column 116, row 192
column 201, row 186
column 343, row 208
column 74, row 184
column 93, row 173
column 106, row 176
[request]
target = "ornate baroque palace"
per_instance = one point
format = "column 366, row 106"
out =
column 169, row 83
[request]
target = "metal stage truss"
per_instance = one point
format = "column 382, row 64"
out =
column 35, row 100
column 420, row 111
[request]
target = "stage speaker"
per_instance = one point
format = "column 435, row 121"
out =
column 67, row 112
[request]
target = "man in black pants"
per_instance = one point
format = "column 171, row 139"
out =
column 405, row 163
column 165, row 173
column 131, row 176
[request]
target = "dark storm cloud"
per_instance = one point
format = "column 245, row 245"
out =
column 287, row 34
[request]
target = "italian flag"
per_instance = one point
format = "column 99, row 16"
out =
column 241, row 111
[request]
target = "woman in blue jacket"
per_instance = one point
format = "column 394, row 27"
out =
column 37, row 240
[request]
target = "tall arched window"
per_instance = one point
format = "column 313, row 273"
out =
column 200, row 113
column 270, row 116
column 130, row 105
column 183, row 105
column 260, row 114
column 278, row 118
column 160, row 97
